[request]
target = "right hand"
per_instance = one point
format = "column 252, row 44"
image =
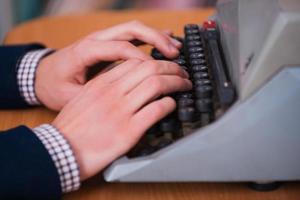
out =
column 112, row 111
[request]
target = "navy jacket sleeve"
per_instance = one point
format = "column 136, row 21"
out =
column 26, row 168
column 10, row 96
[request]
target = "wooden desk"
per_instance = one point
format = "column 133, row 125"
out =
column 59, row 31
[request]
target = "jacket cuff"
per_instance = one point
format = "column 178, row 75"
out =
column 27, row 170
column 10, row 96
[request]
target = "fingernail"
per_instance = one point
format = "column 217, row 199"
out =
column 176, row 42
column 172, row 48
column 189, row 82
column 186, row 74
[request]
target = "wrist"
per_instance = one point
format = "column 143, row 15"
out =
column 91, row 156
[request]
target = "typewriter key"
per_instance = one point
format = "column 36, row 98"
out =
column 195, row 49
column 200, row 75
column 181, row 57
column 163, row 143
column 197, row 61
column 204, row 105
column 188, row 95
column 193, row 37
column 185, row 102
column 169, row 125
column 186, row 114
column 201, row 82
column 194, row 43
column 191, row 31
column 157, row 55
column 200, row 68
column 180, row 61
column 204, row 91
column 145, row 151
column 191, row 26
column 196, row 55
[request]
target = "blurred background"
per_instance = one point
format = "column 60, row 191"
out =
column 13, row 12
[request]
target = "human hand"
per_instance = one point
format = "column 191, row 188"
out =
column 113, row 110
column 61, row 75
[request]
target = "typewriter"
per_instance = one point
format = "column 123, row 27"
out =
column 240, row 122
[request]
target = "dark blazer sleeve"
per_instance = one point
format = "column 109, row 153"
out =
column 26, row 168
column 10, row 96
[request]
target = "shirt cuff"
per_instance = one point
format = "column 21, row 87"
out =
column 26, row 69
column 62, row 156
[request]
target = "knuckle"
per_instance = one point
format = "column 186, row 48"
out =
column 153, row 67
column 173, row 68
column 136, row 23
column 158, row 109
column 124, row 45
column 177, row 69
column 134, row 61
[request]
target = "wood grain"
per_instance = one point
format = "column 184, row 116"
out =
column 57, row 32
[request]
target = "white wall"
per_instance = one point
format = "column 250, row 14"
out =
column 6, row 17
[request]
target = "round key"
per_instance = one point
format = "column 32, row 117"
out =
column 197, row 62
column 188, row 95
column 199, row 68
column 196, row 55
column 193, row 37
column 190, row 26
column 200, row 75
column 204, row 91
column 157, row 55
column 194, row 43
column 181, row 57
column 180, row 61
column 145, row 151
column 204, row 105
column 163, row 143
column 185, row 102
column 169, row 125
column 201, row 82
column 195, row 49
column 191, row 31
column 186, row 114
column 154, row 130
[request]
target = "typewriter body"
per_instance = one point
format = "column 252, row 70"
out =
column 243, row 121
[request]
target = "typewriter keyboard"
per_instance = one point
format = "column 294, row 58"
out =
column 201, row 56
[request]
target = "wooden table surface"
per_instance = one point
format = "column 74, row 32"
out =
column 56, row 32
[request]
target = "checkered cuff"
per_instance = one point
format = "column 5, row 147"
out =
column 26, row 74
column 62, row 156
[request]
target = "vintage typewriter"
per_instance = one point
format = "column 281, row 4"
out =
column 240, row 122
column 201, row 56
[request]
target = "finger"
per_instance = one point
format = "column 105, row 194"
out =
column 120, row 70
column 151, row 113
column 137, row 30
column 168, row 32
column 93, row 51
column 149, row 68
column 154, row 87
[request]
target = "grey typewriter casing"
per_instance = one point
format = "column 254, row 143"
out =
column 258, row 137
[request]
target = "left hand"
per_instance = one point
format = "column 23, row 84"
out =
column 61, row 75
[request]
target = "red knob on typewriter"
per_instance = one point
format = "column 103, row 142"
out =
column 209, row 24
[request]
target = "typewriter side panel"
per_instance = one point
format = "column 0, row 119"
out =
column 257, row 140
column 258, row 37
column 282, row 46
